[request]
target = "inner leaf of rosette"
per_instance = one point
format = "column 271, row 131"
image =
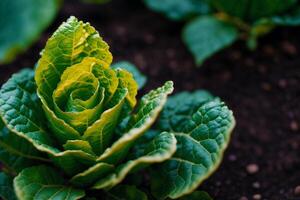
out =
column 89, row 98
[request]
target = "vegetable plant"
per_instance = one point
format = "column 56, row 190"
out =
column 72, row 128
column 215, row 24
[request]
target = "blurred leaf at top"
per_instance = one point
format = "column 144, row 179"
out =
column 22, row 22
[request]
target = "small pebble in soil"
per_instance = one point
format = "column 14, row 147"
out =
column 257, row 197
column 232, row 157
column 289, row 48
column 294, row 126
column 243, row 198
column 256, row 185
column 282, row 83
column 252, row 168
column 297, row 191
column 266, row 86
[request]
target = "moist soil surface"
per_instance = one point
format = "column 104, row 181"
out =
column 261, row 87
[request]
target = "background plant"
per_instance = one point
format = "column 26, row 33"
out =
column 215, row 24
column 71, row 128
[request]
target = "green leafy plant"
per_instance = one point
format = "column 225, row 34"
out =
column 216, row 24
column 70, row 129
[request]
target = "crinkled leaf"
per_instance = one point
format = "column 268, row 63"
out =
column 43, row 182
column 179, row 9
column 16, row 153
column 127, row 192
column 22, row 21
column 146, row 113
column 203, row 136
column 207, row 35
column 253, row 9
column 197, row 195
column 137, row 75
column 20, row 110
column 69, row 45
column 91, row 175
column 6, row 187
column 158, row 150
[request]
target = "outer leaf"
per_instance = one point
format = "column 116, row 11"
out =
column 22, row 21
column 20, row 110
column 6, row 187
column 253, row 9
column 197, row 195
column 126, row 192
column 147, row 111
column 205, row 36
column 43, row 182
column 160, row 149
column 201, row 141
column 290, row 19
column 178, row 9
column 137, row 75
column 16, row 153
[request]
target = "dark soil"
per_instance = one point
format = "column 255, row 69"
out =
column 261, row 87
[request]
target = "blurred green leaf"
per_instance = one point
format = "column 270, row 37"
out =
column 207, row 35
column 179, row 9
column 22, row 22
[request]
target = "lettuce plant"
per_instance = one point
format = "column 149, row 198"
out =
column 215, row 24
column 72, row 128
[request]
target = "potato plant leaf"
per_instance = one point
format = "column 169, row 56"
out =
column 22, row 22
column 178, row 9
column 207, row 35
column 197, row 195
column 6, row 187
column 202, row 130
column 42, row 182
column 137, row 75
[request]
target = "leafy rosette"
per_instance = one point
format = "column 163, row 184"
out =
column 77, row 113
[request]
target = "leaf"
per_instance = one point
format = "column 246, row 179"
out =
column 178, row 9
column 137, row 75
column 202, row 136
column 197, row 195
column 291, row 18
column 203, row 44
column 69, row 45
column 16, row 153
column 22, row 22
column 20, row 110
column 253, row 9
column 146, row 114
column 42, row 182
column 6, row 187
column 159, row 149
column 126, row 192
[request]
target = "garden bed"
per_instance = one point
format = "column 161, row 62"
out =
column 261, row 87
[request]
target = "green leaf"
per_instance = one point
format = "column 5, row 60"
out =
column 43, row 182
column 291, row 18
column 203, row 44
column 20, row 110
column 178, row 9
column 146, row 114
column 137, row 75
column 16, row 153
column 6, row 187
column 22, row 22
column 202, row 136
column 158, row 150
column 197, row 195
column 253, row 9
column 126, row 192
column 69, row 45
